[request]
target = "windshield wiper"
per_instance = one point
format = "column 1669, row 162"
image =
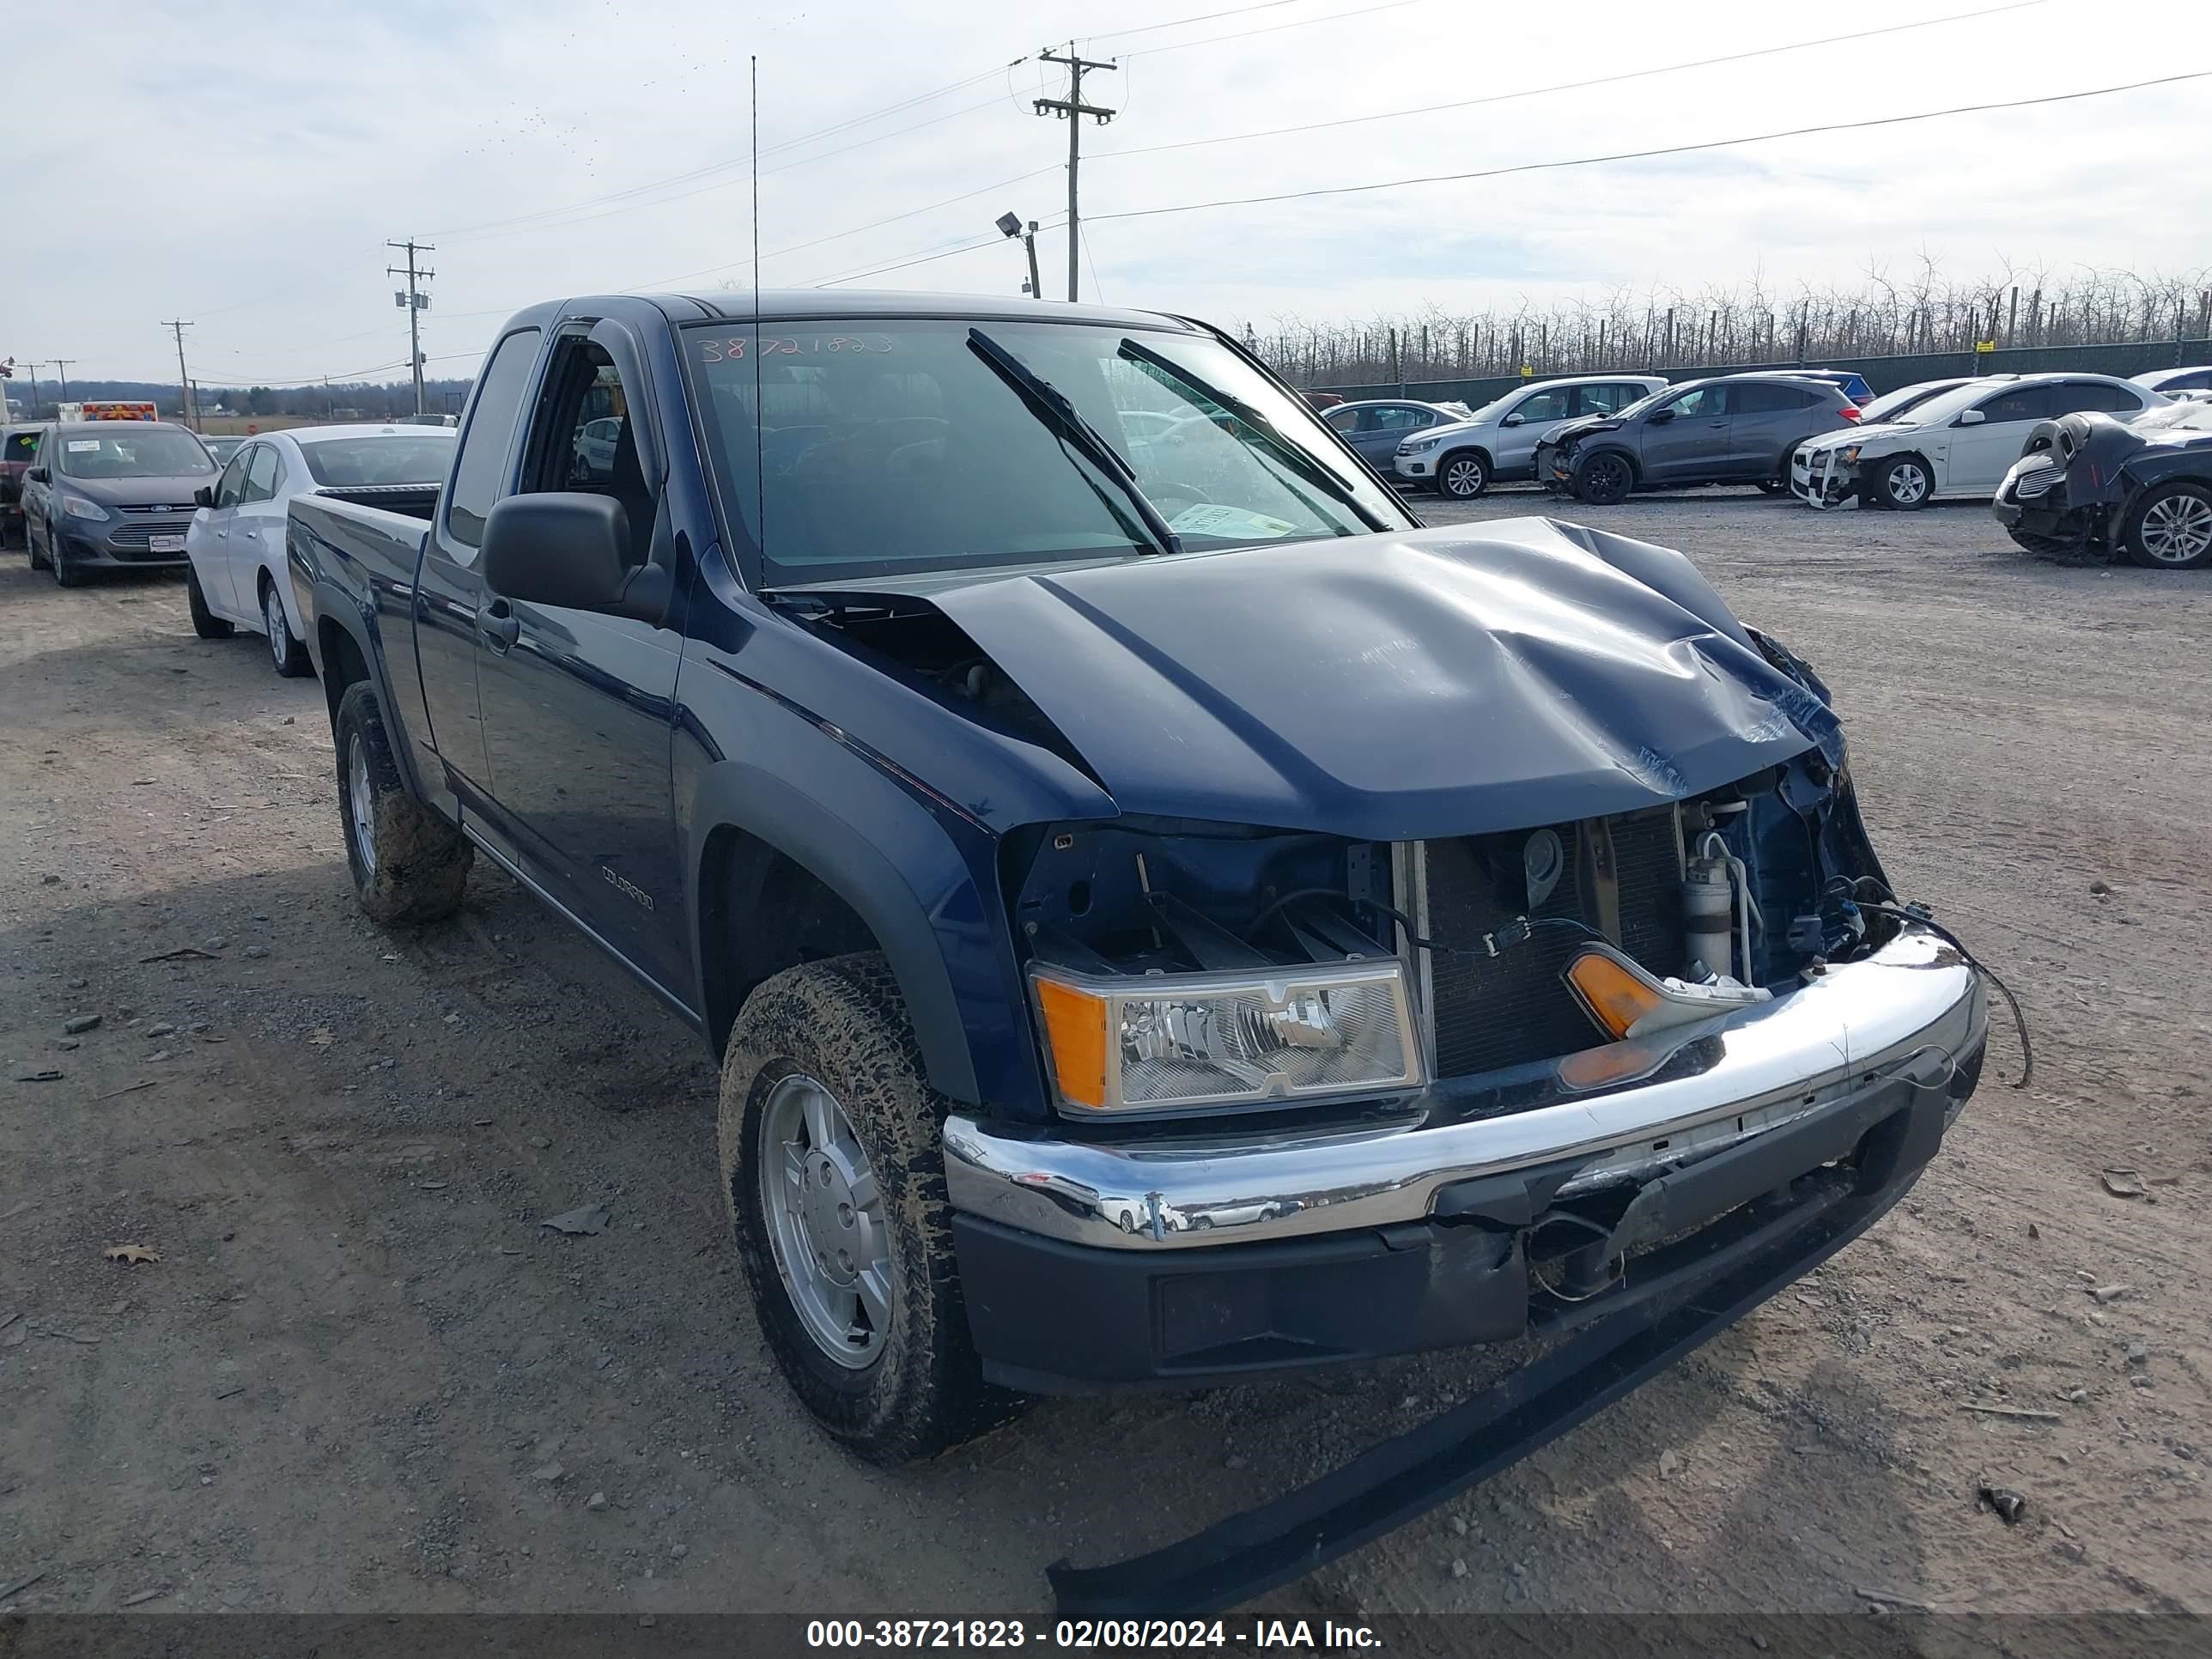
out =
column 1299, row 462
column 1053, row 404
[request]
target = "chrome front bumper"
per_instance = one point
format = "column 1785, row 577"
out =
column 1912, row 1009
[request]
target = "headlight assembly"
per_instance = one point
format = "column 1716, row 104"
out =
column 1168, row 1043
column 1418, row 446
column 77, row 507
column 1848, row 454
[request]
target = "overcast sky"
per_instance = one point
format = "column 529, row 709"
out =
column 241, row 166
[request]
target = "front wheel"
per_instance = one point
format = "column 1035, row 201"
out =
column 409, row 865
column 289, row 656
column 1904, row 484
column 30, row 546
column 205, row 622
column 1603, row 479
column 2170, row 529
column 1462, row 476
column 833, row 1167
column 1772, row 487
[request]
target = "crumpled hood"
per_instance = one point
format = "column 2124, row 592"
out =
column 1844, row 435
column 1396, row 686
column 1582, row 427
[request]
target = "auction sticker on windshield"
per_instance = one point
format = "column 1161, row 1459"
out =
column 83, row 445
column 1210, row 518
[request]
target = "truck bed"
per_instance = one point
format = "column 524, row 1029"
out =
column 415, row 501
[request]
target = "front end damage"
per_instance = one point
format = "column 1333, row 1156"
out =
column 2066, row 495
column 1531, row 976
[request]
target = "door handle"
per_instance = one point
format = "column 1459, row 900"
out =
column 500, row 625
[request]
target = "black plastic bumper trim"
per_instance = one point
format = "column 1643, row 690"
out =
column 1391, row 1483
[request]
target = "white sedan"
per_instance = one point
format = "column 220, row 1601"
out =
column 235, row 541
column 1959, row 443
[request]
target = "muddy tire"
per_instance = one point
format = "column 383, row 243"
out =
column 205, row 622
column 823, row 1099
column 409, row 865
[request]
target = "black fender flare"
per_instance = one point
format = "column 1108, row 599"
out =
column 823, row 839
column 349, row 614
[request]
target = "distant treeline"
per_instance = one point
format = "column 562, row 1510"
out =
column 1747, row 322
column 361, row 398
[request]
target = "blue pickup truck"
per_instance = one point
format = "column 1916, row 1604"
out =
column 1165, row 916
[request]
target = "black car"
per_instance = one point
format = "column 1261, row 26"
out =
column 2087, row 485
column 1736, row 428
column 110, row 494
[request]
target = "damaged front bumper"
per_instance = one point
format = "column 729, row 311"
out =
column 1820, row 478
column 1489, row 1208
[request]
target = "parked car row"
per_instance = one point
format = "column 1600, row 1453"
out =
column 1821, row 434
column 2086, row 483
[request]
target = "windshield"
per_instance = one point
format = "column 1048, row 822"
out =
column 1892, row 405
column 893, row 445
column 364, row 462
column 133, row 451
column 1945, row 404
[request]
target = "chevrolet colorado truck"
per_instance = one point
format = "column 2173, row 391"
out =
column 1165, row 916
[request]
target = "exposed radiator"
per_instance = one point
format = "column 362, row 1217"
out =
column 1492, row 1012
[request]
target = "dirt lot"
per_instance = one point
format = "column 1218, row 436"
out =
column 360, row 1376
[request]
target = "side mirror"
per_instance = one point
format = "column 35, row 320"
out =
column 204, row 494
column 1970, row 417
column 40, row 474
column 570, row 548
column 1660, row 416
column 1513, row 420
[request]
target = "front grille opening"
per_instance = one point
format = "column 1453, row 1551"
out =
column 1620, row 876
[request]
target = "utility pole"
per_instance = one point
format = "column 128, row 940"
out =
column 183, row 379
column 1071, row 109
column 416, row 302
column 32, row 370
column 62, row 365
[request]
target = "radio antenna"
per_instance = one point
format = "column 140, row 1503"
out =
column 760, row 463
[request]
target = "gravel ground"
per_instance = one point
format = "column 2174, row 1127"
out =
column 361, row 1378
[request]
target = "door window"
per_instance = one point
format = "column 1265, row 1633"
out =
column 261, row 475
column 1542, row 408
column 1401, row 417
column 2076, row 395
column 1605, row 399
column 1700, row 402
column 586, row 438
column 480, row 474
column 1344, row 421
column 232, row 486
column 1765, row 398
column 2022, row 403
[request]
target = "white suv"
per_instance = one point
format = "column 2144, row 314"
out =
column 1498, row 443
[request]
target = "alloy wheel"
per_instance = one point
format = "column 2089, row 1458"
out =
column 1462, row 478
column 280, row 631
column 2177, row 530
column 1908, row 484
column 361, row 804
column 825, row 1218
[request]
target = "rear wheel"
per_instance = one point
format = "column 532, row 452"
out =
column 2170, row 529
column 409, row 865
column 205, row 622
column 1604, row 478
column 1462, row 476
column 290, row 657
column 1905, row 483
column 832, row 1166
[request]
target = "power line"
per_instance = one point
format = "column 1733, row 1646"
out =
column 528, row 219
column 1575, row 86
column 1185, row 22
column 1270, row 28
column 927, row 257
column 1648, row 154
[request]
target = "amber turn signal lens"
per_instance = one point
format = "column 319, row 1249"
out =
column 1075, row 1027
column 1614, row 995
